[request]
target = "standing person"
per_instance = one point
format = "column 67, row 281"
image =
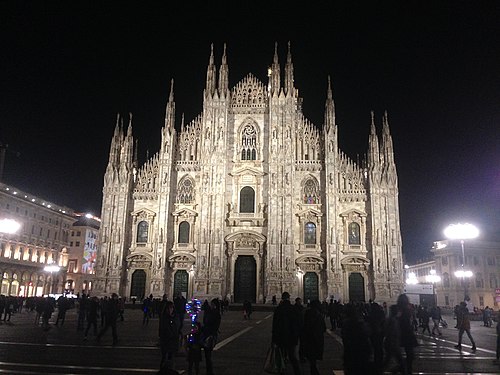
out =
column 3, row 302
column 62, row 307
column 180, row 309
column 408, row 339
column 210, row 331
column 331, row 314
column 356, row 341
column 313, row 336
column 301, row 311
column 286, row 330
column 48, row 309
column 82, row 306
column 498, row 337
column 436, row 318
column 169, row 336
column 194, row 350
column 92, row 313
column 111, row 310
column 392, row 342
column 247, row 309
column 147, row 304
column 463, row 323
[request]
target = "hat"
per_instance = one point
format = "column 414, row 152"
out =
column 285, row 295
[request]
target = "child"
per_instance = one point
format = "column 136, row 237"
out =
column 194, row 349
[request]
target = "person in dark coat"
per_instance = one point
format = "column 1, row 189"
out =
column 210, row 331
column 92, row 314
column 62, row 307
column 407, row 333
column 464, row 326
column 247, row 309
column 169, row 336
column 111, row 310
column 356, row 339
column 286, row 330
column 313, row 336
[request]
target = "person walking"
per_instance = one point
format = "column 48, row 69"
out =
column 356, row 340
column 425, row 317
column 313, row 336
column 168, row 333
column 286, row 330
column 147, row 304
column 193, row 348
column 436, row 319
column 111, row 311
column 393, row 360
column 463, row 323
column 210, row 331
column 247, row 309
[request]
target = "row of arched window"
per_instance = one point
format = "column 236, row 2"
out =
column 309, row 233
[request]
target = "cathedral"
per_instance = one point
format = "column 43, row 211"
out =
column 251, row 199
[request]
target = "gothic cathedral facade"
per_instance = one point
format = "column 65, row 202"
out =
column 251, row 199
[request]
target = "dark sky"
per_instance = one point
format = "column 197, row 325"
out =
column 66, row 70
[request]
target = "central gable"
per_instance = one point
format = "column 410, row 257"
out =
column 249, row 95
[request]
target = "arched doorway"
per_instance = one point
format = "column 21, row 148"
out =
column 356, row 287
column 245, row 279
column 181, row 280
column 311, row 289
column 138, row 285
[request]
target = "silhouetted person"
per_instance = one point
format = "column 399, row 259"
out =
column 463, row 323
column 286, row 330
column 111, row 310
column 408, row 339
column 169, row 336
column 313, row 336
column 210, row 331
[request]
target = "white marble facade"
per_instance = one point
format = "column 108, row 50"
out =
column 250, row 199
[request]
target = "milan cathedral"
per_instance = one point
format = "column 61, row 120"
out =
column 251, row 199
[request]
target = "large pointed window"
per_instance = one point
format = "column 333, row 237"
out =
column 310, row 234
column 354, row 238
column 184, row 232
column 311, row 189
column 248, row 143
column 142, row 232
column 185, row 192
column 247, row 199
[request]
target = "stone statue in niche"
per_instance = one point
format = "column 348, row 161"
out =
column 287, row 263
column 216, row 261
column 202, row 261
column 394, row 265
column 379, row 266
column 271, row 263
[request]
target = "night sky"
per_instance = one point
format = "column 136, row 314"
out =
column 66, row 70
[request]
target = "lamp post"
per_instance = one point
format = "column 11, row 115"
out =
column 433, row 279
column 52, row 268
column 462, row 232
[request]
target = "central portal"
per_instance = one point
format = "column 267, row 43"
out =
column 245, row 278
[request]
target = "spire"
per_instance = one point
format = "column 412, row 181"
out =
column 211, row 73
column 129, row 129
column 223, row 75
column 387, row 140
column 289, row 73
column 329, row 108
column 274, row 73
column 373, row 150
column 170, row 109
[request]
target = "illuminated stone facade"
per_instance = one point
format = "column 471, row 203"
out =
column 250, row 199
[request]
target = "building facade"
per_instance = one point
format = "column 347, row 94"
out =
column 250, row 199
column 41, row 239
column 82, row 249
column 482, row 258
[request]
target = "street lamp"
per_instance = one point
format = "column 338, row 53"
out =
column 52, row 268
column 9, row 226
column 462, row 232
column 433, row 279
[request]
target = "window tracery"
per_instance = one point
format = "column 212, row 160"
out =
column 185, row 192
column 311, row 191
column 249, row 143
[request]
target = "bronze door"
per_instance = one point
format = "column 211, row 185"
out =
column 181, row 280
column 245, row 278
column 311, row 289
column 138, row 285
column 356, row 287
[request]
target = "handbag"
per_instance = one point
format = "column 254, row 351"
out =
column 275, row 361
